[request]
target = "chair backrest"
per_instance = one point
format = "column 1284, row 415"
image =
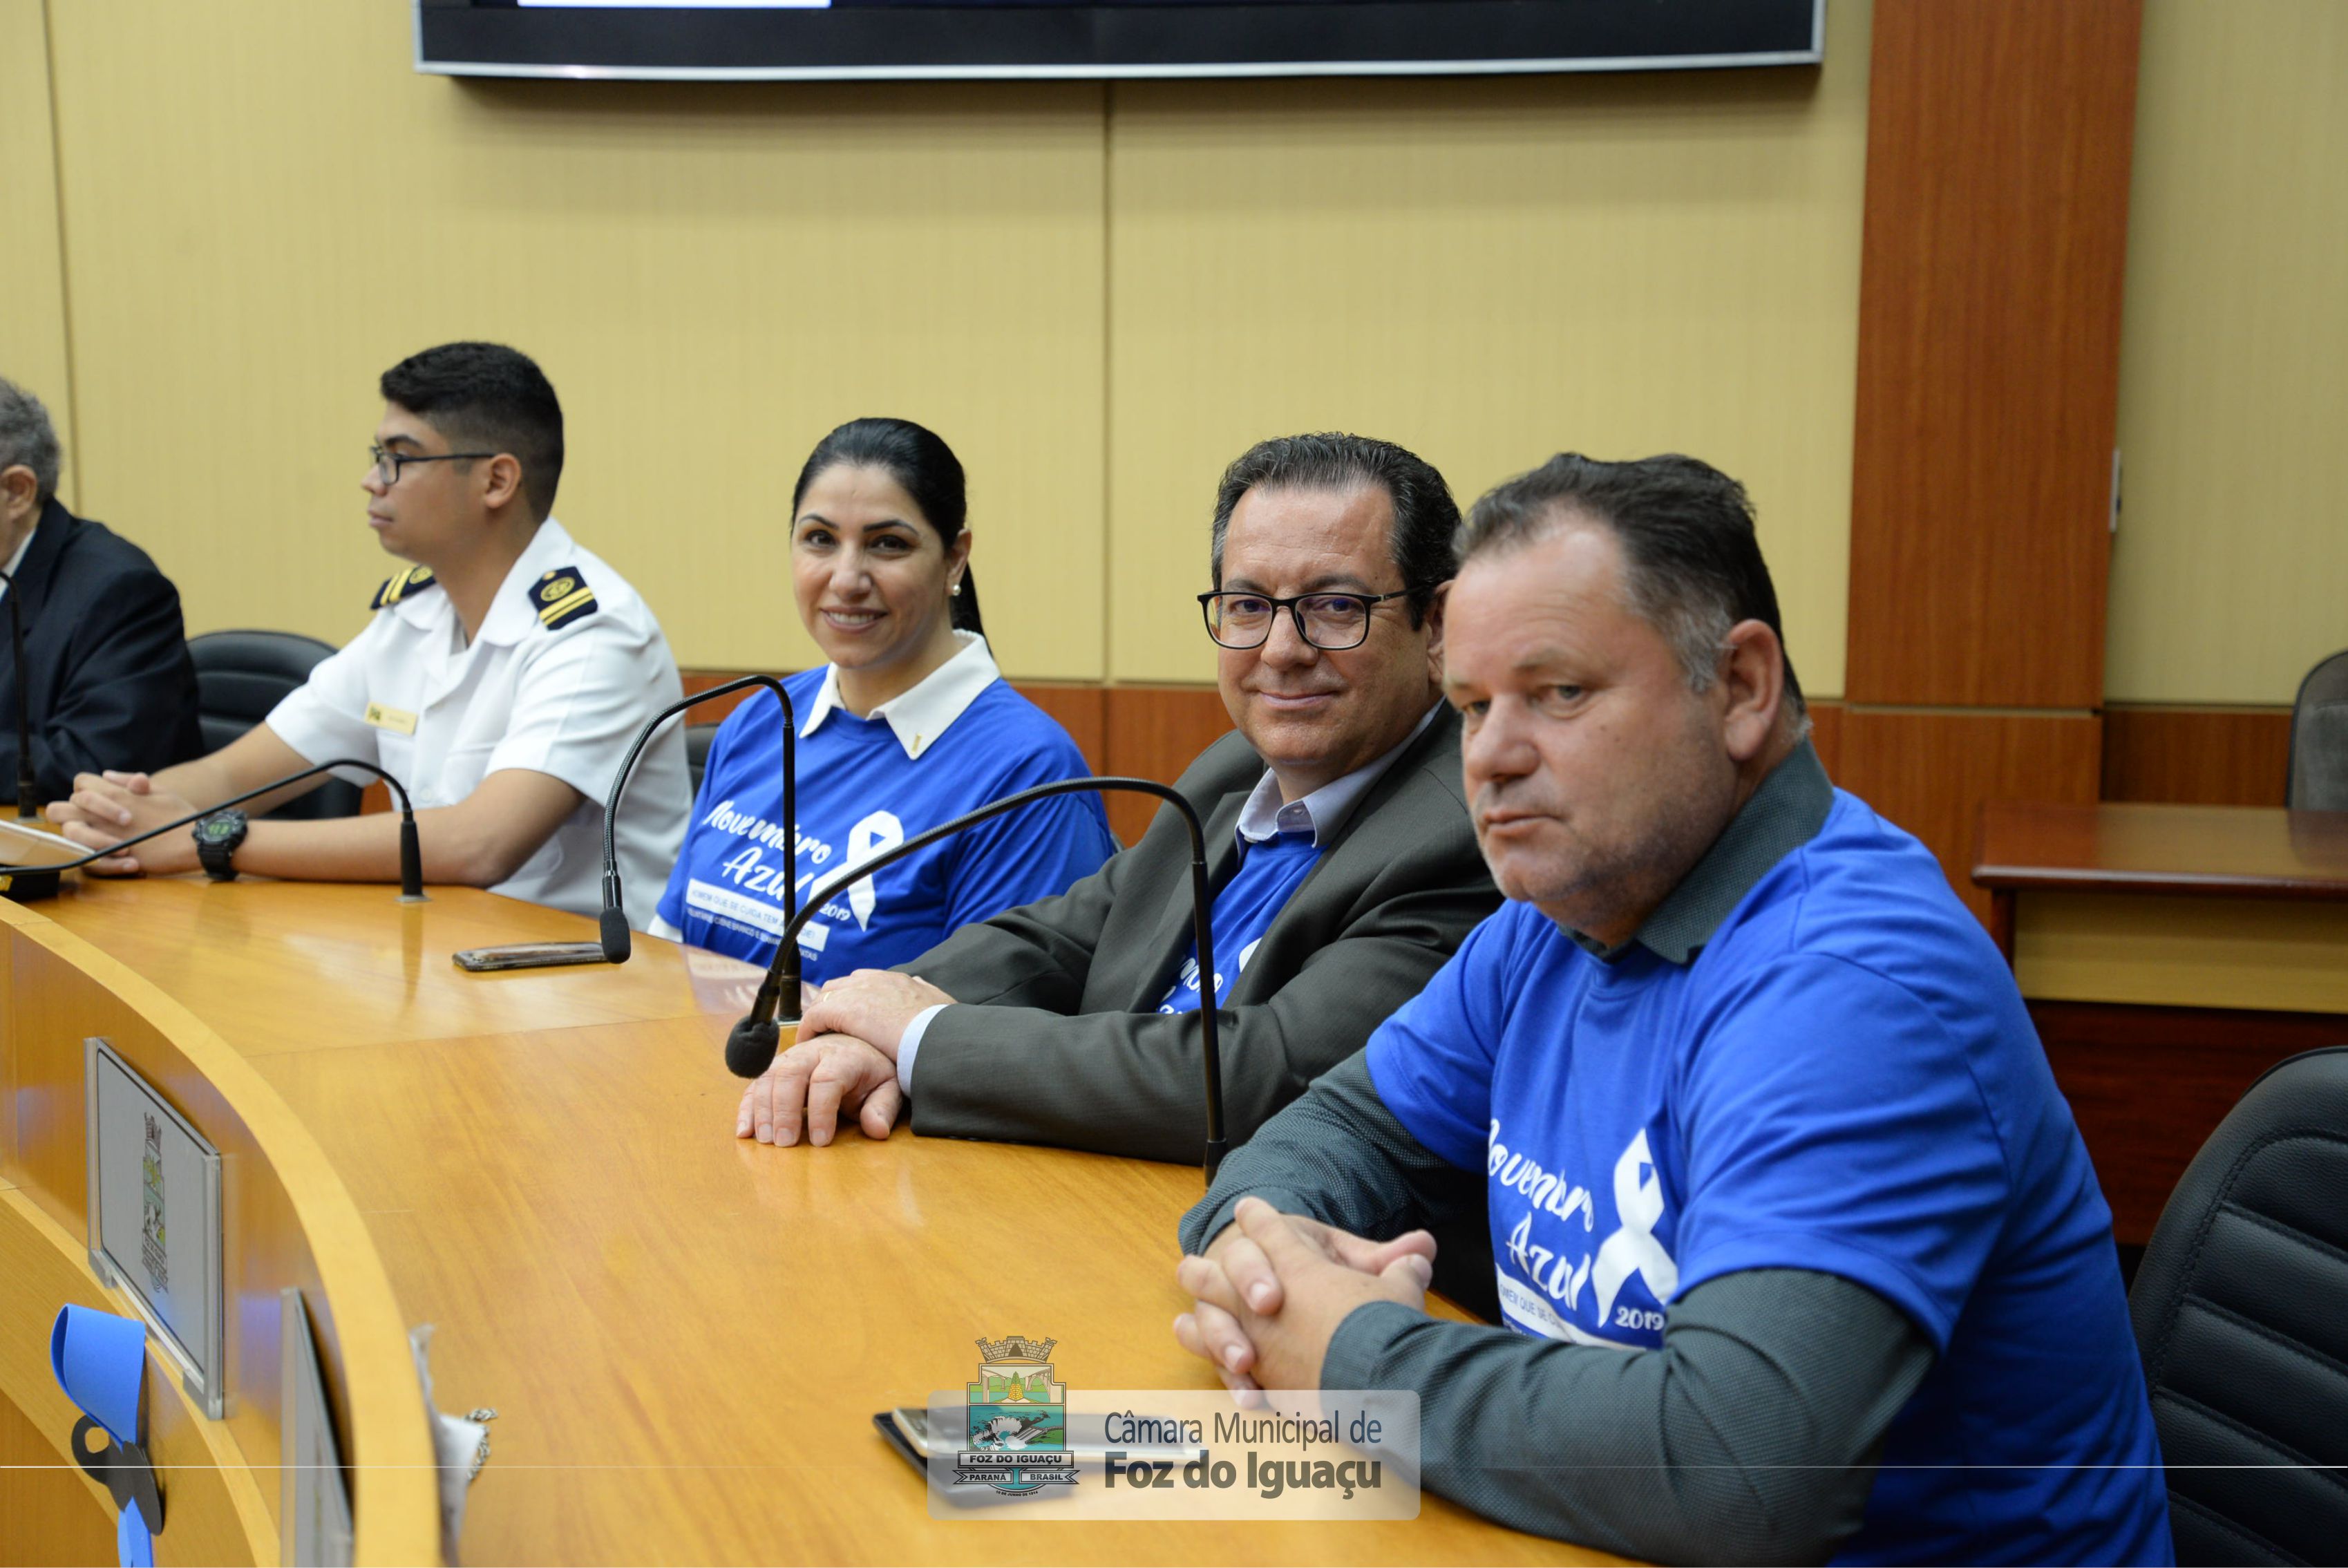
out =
column 2319, row 740
column 240, row 677
column 697, row 738
column 2241, row 1308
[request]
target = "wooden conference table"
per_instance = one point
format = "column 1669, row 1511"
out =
column 2171, row 954
column 684, row 1335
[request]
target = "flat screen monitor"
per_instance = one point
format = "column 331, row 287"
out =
column 814, row 39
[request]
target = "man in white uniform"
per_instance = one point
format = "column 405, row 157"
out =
column 501, row 681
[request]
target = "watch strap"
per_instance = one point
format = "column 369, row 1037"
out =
column 215, row 851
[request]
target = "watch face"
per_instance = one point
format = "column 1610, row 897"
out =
column 216, row 830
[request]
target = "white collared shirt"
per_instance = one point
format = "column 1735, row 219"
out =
column 411, row 695
column 1323, row 812
column 920, row 714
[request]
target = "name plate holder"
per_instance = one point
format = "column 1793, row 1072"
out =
column 155, row 1219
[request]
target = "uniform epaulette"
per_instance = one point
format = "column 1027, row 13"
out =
column 561, row 597
column 400, row 584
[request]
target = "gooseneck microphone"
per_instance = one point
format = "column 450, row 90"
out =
column 27, row 786
column 612, row 924
column 751, row 1045
column 411, row 849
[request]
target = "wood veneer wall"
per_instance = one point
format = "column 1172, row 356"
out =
column 2149, row 1086
column 1997, row 183
column 2197, row 756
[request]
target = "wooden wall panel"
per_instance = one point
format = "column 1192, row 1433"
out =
column 2197, row 756
column 1929, row 773
column 2148, row 1085
column 1155, row 732
column 702, row 680
column 1826, row 735
column 1997, row 184
column 1081, row 710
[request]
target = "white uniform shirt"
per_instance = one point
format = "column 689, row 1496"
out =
column 558, row 680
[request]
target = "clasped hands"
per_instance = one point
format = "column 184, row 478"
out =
column 844, row 1063
column 1269, row 1292
column 106, row 807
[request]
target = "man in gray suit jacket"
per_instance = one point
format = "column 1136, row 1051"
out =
column 1337, row 838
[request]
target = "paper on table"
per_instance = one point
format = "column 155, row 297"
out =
column 455, row 1441
column 21, row 845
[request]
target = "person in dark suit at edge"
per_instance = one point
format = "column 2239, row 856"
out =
column 107, row 681
column 1338, row 843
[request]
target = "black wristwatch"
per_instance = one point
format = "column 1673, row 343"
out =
column 217, row 838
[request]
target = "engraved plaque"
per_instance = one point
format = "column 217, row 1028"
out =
column 155, row 1218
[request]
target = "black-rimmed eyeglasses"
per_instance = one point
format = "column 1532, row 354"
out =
column 1330, row 622
column 388, row 464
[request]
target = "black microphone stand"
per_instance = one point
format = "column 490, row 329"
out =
column 751, row 1045
column 411, row 849
column 28, row 808
column 612, row 925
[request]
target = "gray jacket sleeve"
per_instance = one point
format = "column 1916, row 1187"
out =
column 1040, row 1060
column 1750, row 1436
column 1339, row 1155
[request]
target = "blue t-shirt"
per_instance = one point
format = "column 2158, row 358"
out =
column 859, row 794
column 1844, row 1080
column 1268, row 874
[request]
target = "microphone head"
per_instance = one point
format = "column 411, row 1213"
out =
column 750, row 1047
column 614, row 928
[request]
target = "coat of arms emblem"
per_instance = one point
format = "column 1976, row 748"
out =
column 1018, row 1419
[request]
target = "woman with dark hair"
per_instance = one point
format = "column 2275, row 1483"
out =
column 908, row 725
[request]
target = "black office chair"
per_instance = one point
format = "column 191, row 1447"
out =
column 2238, row 1312
column 697, row 738
column 2319, row 740
column 240, row 677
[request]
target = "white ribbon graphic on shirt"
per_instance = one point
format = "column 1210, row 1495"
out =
column 1633, row 1249
column 875, row 834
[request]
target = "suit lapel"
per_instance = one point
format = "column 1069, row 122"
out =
column 1391, row 782
column 40, row 564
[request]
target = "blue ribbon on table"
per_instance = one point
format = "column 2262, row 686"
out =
column 101, row 1360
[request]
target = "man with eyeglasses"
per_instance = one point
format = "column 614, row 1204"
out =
column 1338, row 843
column 502, row 676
